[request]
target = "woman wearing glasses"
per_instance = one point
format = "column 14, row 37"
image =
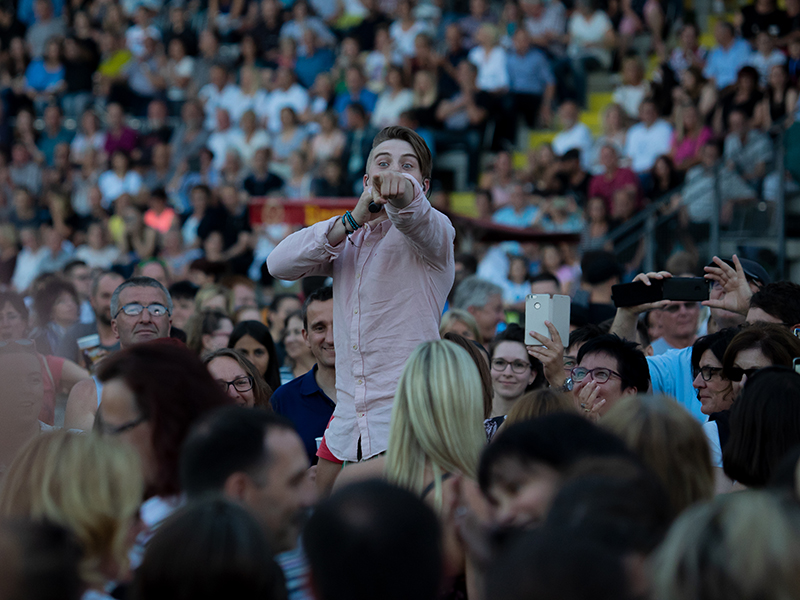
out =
column 514, row 372
column 239, row 378
column 715, row 393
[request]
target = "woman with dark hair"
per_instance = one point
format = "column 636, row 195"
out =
column 208, row 331
column 238, row 378
column 664, row 177
column 514, row 372
column 152, row 394
column 56, row 306
column 765, row 425
column 254, row 341
column 211, row 549
column 744, row 95
column 755, row 347
column 715, row 393
column 780, row 97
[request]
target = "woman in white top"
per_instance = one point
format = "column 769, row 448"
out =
column 590, row 36
column 178, row 71
column 249, row 138
column 395, row 99
column 404, row 31
column 490, row 58
column 119, row 179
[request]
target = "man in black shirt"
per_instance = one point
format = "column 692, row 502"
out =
column 260, row 182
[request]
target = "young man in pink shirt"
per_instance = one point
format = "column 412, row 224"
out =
column 392, row 270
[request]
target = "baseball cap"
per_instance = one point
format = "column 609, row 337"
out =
column 751, row 268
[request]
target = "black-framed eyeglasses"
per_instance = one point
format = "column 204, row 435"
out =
column 518, row 366
column 240, row 384
column 120, row 429
column 600, row 374
column 134, row 309
column 673, row 308
column 736, row 374
column 706, row 372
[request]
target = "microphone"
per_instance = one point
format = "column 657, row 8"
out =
column 375, row 208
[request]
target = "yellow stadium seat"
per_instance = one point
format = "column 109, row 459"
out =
column 463, row 203
column 599, row 100
column 537, row 138
column 520, row 160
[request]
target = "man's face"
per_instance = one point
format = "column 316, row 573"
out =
column 489, row 316
column 396, row 156
column 319, row 336
column 679, row 319
column 521, row 493
column 545, row 287
column 610, row 390
column 81, row 278
column 101, row 301
column 144, row 326
column 283, row 492
column 648, row 113
column 182, row 310
column 244, row 296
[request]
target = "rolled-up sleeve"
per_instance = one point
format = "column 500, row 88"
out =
column 428, row 232
column 304, row 253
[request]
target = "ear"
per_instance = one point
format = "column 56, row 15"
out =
column 631, row 391
column 236, row 486
column 114, row 328
column 366, row 180
column 305, row 337
column 426, row 186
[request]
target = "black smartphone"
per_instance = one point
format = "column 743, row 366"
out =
column 686, row 289
column 636, row 293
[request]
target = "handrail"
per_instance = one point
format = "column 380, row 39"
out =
column 632, row 226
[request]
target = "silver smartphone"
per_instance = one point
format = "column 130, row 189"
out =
column 544, row 307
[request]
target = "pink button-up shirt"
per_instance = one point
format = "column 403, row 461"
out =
column 389, row 289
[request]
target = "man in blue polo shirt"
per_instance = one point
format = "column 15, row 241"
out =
column 308, row 401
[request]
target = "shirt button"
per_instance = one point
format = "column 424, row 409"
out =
column 355, row 347
column 359, row 382
column 355, row 312
column 368, row 244
column 358, row 275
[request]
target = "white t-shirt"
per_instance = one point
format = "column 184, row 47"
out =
column 492, row 70
column 644, row 144
column 214, row 98
column 404, row 40
column 387, row 109
column 578, row 136
column 295, row 97
column 97, row 259
column 112, row 186
column 593, row 31
column 629, row 97
column 247, row 149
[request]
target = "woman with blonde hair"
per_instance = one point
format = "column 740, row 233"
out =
column 239, row 378
column 670, row 441
column 214, row 295
column 90, row 485
column 461, row 322
column 743, row 545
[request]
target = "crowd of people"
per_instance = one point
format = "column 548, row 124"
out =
column 200, row 398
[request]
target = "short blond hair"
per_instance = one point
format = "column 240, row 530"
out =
column 457, row 315
column 437, row 418
column 742, row 545
column 91, row 485
column 668, row 440
column 539, row 403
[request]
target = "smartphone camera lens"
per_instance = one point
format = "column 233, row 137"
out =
column 537, row 305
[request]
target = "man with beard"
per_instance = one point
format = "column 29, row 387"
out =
column 140, row 310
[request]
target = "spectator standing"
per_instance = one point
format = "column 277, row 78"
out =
column 727, row 57
column 648, row 139
column 531, row 82
column 574, row 134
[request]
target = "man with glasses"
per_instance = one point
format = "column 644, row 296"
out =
column 141, row 311
column 608, row 369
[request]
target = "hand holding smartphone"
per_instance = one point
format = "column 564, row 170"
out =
column 543, row 307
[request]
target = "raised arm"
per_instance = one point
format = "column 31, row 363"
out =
column 428, row 231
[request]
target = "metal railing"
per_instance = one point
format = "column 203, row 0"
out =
column 646, row 223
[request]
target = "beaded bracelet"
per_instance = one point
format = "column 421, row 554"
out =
column 346, row 225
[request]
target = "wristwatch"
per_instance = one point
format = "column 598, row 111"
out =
column 568, row 385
